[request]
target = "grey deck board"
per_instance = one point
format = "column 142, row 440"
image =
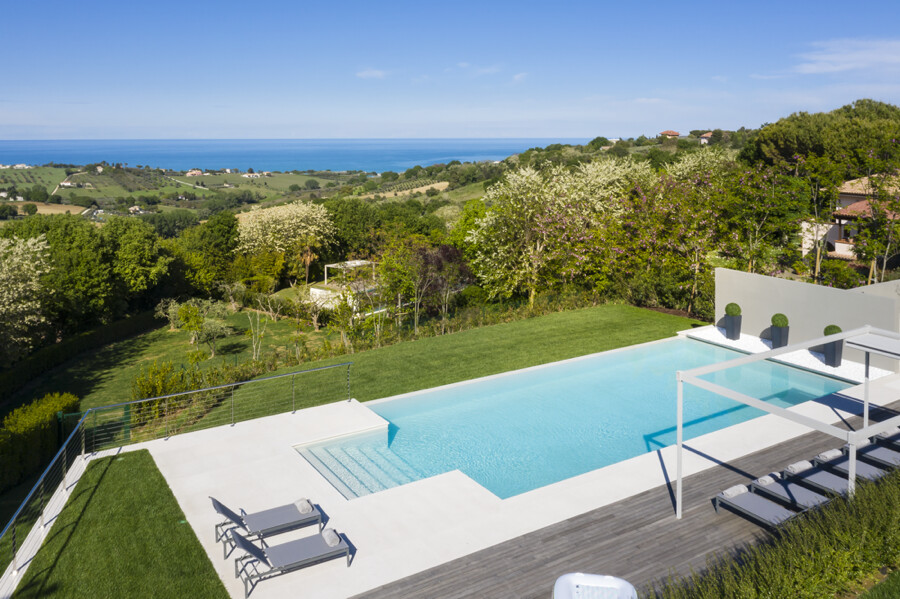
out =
column 638, row 538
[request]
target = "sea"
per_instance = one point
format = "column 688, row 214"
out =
column 368, row 155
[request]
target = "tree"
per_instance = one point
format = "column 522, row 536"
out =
column 137, row 259
column 7, row 211
column 207, row 250
column 23, row 262
column 311, row 184
column 407, row 273
column 823, row 178
column 203, row 319
column 297, row 230
column 451, row 274
column 38, row 193
column 29, row 209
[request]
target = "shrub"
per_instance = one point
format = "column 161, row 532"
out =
column 832, row 329
column 837, row 273
column 779, row 320
column 29, row 437
column 733, row 309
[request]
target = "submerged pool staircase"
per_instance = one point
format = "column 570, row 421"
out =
column 360, row 469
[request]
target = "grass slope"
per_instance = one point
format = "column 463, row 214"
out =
column 121, row 534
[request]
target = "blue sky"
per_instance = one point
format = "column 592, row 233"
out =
column 288, row 69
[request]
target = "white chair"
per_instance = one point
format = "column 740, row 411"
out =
column 592, row 586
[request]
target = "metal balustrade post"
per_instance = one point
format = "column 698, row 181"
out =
column 65, row 468
column 42, row 503
column 232, row 406
column 166, row 416
column 83, row 455
column 293, row 397
column 14, row 565
column 348, row 382
column 94, row 434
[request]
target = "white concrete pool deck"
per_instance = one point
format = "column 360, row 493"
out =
column 253, row 465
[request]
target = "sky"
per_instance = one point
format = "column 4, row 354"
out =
column 295, row 69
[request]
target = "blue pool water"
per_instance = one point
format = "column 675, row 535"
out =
column 532, row 428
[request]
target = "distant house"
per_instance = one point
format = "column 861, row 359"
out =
column 251, row 175
column 852, row 206
column 67, row 184
column 21, row 166
column 704, row 139
column 193, row 173
column 135, row 210
column 4, row 194
column 668, row 133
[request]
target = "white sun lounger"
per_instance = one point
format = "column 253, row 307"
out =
column 286, row 557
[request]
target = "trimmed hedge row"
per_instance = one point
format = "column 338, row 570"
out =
column 29, row 437
column 51, row 356
column 827, row 552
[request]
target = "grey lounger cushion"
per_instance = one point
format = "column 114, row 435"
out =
column 775, row 486
column 755, row 506
column 880, row 455
column 267, row 522
column 842, row 464
column 816, row 477
column 286, row 557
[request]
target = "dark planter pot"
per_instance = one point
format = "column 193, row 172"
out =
column 779, row 336
column 834, row 352
column 732, row 327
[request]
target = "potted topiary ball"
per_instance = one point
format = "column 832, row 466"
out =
column 779, row 330
column 833, row 349
column 732, row 321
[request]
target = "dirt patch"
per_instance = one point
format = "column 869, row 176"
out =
column 50, row 208
column 440, row 186
column 673, row 312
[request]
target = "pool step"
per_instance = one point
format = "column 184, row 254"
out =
column 360, row 469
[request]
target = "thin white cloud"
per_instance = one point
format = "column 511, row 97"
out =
column 719, row 78
column 371, row 74
column 841, row 55
column 648, row 100
column 766, row 77
column 519, row 77
column 463, row 65
column 491, row 70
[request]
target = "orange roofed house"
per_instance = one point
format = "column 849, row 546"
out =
column 668, row 133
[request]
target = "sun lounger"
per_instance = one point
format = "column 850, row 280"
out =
column 756, row 507
column 879, row 454
column 891, row 437
column 267, row 522
column 286, row 557
column 835, row 459
column 775, row 486
column 816, row 477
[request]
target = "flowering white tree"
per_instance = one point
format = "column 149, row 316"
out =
column 540, row 227
column 22, row 263
column 297, row 230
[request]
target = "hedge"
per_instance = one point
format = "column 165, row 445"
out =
column 826, row 552
column 29, row 437
column 52, row 356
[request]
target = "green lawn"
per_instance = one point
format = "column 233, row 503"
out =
column 434, row 361
column 122, row 534
column 103, row 377
column 46, row 176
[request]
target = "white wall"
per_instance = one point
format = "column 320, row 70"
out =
column 809, row 308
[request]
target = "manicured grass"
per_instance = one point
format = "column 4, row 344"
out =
column 489, row 350
column 122, row 534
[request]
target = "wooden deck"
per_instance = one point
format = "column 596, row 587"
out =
column 638, row 539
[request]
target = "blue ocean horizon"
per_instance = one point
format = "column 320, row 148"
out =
column 271, row 154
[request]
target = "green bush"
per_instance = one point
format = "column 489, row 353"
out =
column 779, row 320
column 733, row 309
column 29, row 437
column 837, row 273
column 832, row 329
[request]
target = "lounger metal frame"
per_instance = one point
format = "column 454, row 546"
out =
column 305, row 548
column 281, row 519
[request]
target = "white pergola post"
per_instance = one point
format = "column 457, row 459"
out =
column 866, row 394
column 851, row 471
column 680, row 442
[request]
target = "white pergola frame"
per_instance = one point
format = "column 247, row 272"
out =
column 867, row 339
column 349, row 265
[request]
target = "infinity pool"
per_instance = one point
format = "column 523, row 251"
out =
column 522, row 430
